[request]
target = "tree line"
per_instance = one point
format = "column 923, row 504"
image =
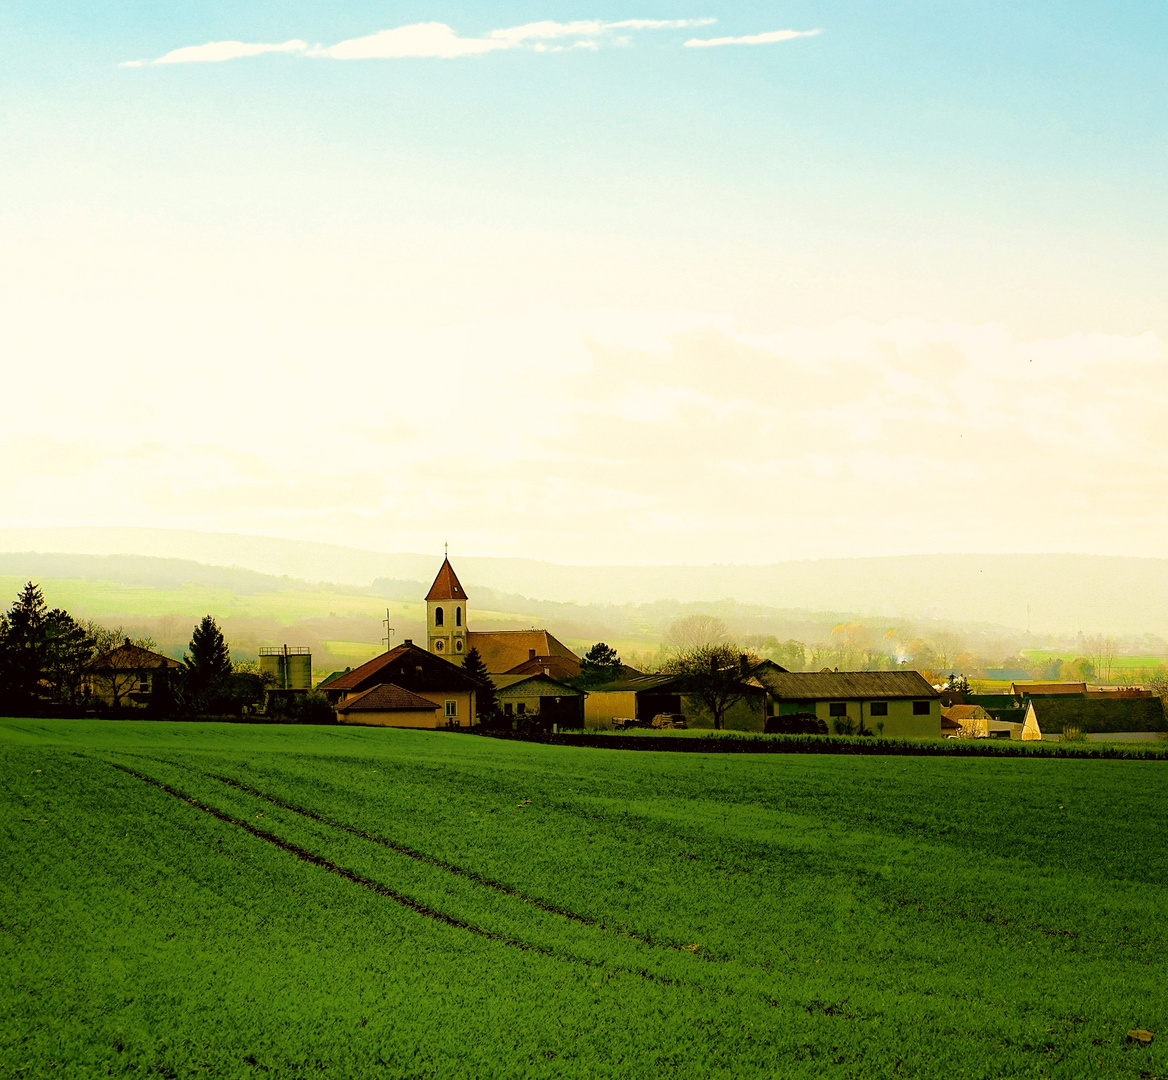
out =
column 48, row 661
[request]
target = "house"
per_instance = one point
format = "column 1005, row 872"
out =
column 641, row 697
column 1125, row 719
column 973, row 722
column 128, row 676
column 387, row 705
column 896, row 704
column 539, row 695
column 512, row 652
column 412, row 670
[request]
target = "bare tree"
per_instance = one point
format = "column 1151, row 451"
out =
column 717, row 675
column 697, row 632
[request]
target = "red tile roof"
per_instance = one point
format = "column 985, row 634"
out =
column 408, row 666
column 446, row 586
column 510, row 650
column 386, row 697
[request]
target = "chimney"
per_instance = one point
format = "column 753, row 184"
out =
column 408, row 641
column 128, row 643
column 530, row 652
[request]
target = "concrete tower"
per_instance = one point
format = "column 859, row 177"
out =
column 446, row 616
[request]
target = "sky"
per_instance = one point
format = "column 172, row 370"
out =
column 589, row 283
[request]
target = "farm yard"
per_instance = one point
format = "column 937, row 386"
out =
column 236, row 900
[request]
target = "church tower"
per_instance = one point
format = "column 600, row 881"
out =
column 446, row 616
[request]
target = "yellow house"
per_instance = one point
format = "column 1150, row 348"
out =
column 895, row 704
column 407, row 670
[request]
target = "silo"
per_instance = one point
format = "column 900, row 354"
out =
column 288, row 667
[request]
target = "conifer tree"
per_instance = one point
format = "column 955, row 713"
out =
column 473, row 665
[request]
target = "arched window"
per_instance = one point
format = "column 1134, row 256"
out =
column 437, row 616
column 458, row 616
column 458, row 645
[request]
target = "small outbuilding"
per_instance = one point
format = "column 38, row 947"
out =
column 1116, row 719
column 539, row 695
column 388, row 705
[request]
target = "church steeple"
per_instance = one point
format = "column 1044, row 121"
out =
column 446, row 604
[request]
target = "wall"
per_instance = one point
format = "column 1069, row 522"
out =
column 900, row 723
column 398, row 718
column 599, row 709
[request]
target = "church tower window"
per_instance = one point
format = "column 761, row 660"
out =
column 458, row 616
column 437, row 616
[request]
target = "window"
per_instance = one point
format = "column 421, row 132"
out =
column 144, row 683
column 439, row 646
column 879, row 708
column 437, row 616
column 508, row 709
column 451, row 709
column 837, row 708
column 458, row 616
column 521, row 707
column 458, row 645
column 920, row 708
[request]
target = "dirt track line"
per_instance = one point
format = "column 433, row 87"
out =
column 381, row 890
column 316, row 860
column 450, row 868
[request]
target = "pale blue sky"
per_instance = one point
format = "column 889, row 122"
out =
column 346, row 220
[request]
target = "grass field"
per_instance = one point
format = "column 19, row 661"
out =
column 202, row 900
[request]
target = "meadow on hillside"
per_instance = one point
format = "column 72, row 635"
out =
column 244, row 901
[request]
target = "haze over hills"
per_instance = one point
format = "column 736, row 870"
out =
column 1047, row 594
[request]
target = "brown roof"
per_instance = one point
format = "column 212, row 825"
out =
column 964, row 712
column 844, row 685
column 1048, row 689
column 558, row 667
column 387, row 697
column 1099, row 715
column 509, row 650
column 407, row 666
column 446, row 586
column 547, row 686
column 127, row 657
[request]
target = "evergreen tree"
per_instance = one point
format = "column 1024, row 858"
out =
column 601, row 664
column 23, row 647
column 473, row 665
column 208, row 667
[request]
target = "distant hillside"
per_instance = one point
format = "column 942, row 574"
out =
column 1049, row 594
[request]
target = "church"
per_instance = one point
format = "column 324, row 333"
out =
column 504, row 652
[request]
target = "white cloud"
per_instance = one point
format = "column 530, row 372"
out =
column 216, row 51
column 433, row 40
column 767, row 38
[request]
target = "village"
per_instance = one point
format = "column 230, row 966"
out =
column 529, row 681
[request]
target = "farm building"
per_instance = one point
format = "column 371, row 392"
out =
column 387, row 705
column 540, row 695
column 898, row 704
column 128, row 676
column 641, row 697
column 973, row 722
column 510, row 652
column 1125, row 719
column 408, row 668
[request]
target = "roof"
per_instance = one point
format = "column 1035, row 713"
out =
column 844, row 685
column 558, row 667
column 509, row 682
column 408, row 666
column 964, row 712
column 331, row 678
column 1099, row 715
column 386, row 697
column 446, row 585
column 127, row 657
column 641, row 684
column 1048, row 689
column 505, row 650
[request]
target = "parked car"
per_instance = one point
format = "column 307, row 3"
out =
column 668, row 720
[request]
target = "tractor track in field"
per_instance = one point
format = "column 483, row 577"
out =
column 390, row 894
column 450, row 868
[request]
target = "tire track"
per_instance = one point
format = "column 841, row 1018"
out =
column 390, row 894
column 451, row 868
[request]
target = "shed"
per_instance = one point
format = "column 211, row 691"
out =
column 387, row 705
column 553, row 701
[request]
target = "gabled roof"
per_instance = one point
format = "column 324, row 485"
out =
column 387, row 697
column 538, row 679
column 1099, row 715
column 964, row 712
column 407, row 666
column 506, row 650
column 557, row 667
column 662, row 684
column 127, row 657
column 846, row 685
column 446, row 585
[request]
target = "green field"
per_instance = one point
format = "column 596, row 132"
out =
column 201, row 900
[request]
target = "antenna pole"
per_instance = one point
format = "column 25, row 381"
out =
column 388, row 639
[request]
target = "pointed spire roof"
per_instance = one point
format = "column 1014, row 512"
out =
column 446, row 586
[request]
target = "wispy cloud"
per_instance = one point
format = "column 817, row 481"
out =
column 216, row 51
column 437, row 41
column 767, row 38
